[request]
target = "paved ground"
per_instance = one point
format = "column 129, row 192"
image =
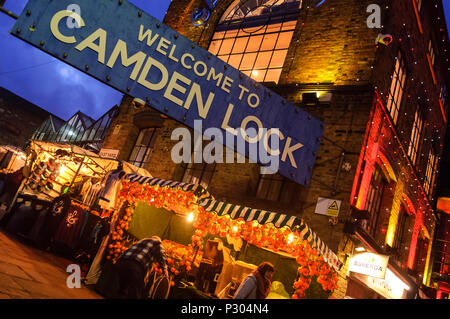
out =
column 30, row 273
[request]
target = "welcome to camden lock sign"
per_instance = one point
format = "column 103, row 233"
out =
column 122, row 46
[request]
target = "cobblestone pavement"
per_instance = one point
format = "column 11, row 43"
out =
column 30, row 273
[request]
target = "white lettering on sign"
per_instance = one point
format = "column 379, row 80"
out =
column 177, row 88
column 369, row 264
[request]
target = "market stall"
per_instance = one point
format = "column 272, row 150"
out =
column 65, row 199
column 12, row 158
column 214, row 245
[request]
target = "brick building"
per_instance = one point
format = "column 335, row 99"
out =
column 440, row 276
column 383, row 105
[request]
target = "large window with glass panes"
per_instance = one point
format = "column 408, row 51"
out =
column 256, row 41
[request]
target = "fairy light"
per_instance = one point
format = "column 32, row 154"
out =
column 290, row 238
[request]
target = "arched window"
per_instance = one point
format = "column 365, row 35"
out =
column 253, row 36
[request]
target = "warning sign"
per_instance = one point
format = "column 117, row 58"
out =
column 328, row 207
column 333, row 210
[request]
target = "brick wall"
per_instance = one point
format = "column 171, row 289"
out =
column 122, row 133
column 18, row 119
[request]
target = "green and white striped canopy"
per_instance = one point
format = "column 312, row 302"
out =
column 208, row 202
column 278, row 220
column 198, row 190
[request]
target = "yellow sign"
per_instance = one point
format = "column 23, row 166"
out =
column 329, row 207
column 333, row 210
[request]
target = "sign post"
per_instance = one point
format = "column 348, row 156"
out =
column 131, row 51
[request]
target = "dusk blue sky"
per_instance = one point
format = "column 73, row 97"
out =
column 54, row 85
column 49, row 83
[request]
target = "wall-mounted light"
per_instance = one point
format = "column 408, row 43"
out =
column 310, row 99
column 360, row 249
column 324, row 97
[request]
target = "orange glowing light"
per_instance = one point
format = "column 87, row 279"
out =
column 444, row 204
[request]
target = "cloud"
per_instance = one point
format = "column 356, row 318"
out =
column 56, row 86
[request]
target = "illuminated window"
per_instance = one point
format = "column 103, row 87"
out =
column 397, row 88
column 254, row 36
column 143, row 148
column 415, row 137
column 430, row 173
column 431, row 52
column 275, row 187
column 374, row 197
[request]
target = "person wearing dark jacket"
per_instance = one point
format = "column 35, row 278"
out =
column 133, row 265
column 257, row 284
column 11, row 185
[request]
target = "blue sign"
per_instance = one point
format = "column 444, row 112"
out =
column 124, row 47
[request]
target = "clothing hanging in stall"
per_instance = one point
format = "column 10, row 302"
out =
column 112, row 186
column 95, row 229
column 69, row 229
column 91, row 196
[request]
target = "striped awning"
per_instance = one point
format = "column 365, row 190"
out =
column 198, row 190
column 278, row 220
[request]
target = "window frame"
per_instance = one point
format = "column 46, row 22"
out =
column 397, row 88
column 278, row 29
column 430, row 173
column 399, row 238
column 418, row 5
column 416, row 136
column 148, row 148
column 375, row 195
column 443, row 95
column 285, row 193
column 188, row 175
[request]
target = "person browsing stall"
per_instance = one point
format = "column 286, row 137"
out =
column 133, row 265
column 257, row 284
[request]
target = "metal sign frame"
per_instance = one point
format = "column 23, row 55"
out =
column 131, row 51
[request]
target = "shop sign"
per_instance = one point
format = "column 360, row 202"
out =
column 391, row 287
column 108, row 153
column 131, row 51
column 328, row 207
column 369, row 264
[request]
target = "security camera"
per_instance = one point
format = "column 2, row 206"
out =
column 385, row 39
column 333, row 220
column 138, row 102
